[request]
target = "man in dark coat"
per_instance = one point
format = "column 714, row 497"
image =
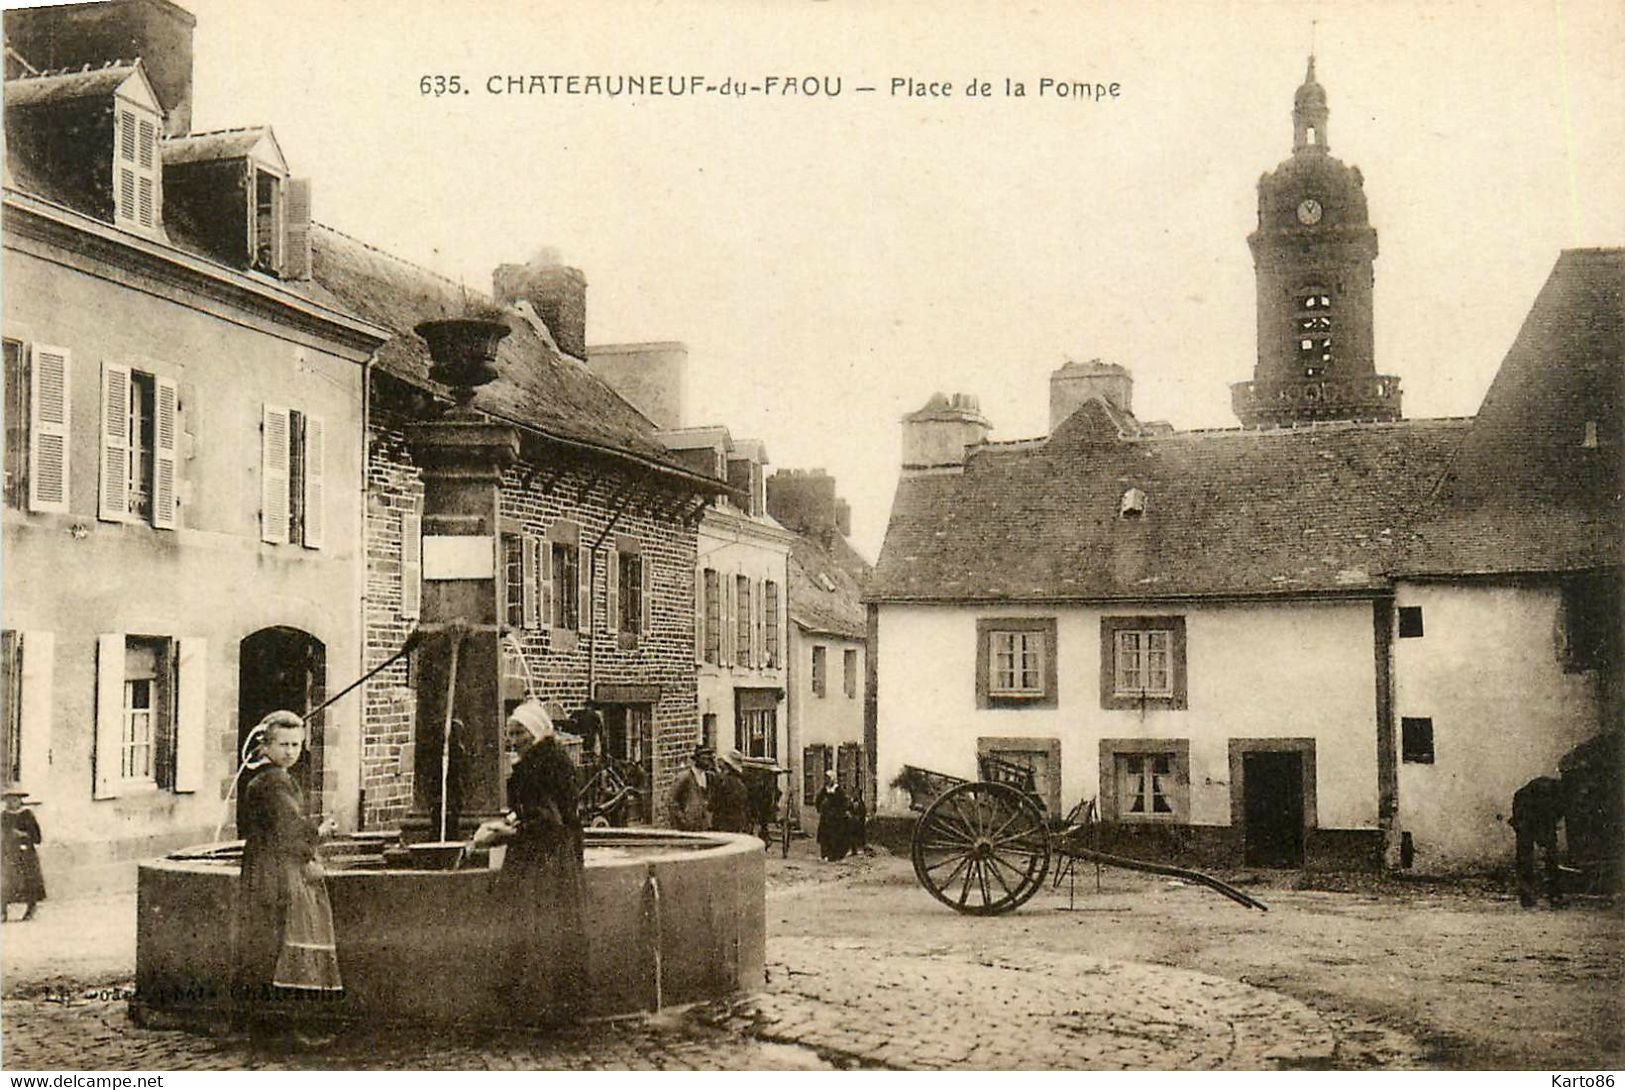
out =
column 1537, row 807
column 729, row 797
column 690, row 793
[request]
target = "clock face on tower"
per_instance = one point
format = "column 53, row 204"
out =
column 1309, row 212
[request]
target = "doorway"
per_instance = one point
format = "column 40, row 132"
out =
column 629, row 742
column 1272, row 800
column 284, row 668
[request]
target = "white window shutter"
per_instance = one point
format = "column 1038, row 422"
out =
column 114, row 501
column 34, row 700
column 527, row 578
column 48, row 446
column 274, row 475
column 296, row 228
column 729, row 619
column 109, row 716
column 699, row 616
column 315, row 497
column 645, row 571
column 549, row 618
column 759, row 617
column 584, row 600
column 167, row 401
column 612, row 592
column 411, row 564
column 191, row 742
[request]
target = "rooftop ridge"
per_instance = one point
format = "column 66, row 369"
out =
column 424, row 269
column 57, row 73
column 216, row 132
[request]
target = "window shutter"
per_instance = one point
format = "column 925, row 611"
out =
column 114, row 504
column 190, row 712
column 274, row 450
column 164, row 465
column 527, row 576
column 411, row 564
column 584, row 601
column 759, row 624
column 48, row 428
column 315, row 481
column 296, row 259
column 549, row 618
column 109, row 715
column 612, row 592
column 146, row 206
column 34, row 711
column 646, row 599
column 699, row 616
column 725, row 600
column 126, row 136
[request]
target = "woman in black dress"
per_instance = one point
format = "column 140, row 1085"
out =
column 23, row 881
column 540, row 887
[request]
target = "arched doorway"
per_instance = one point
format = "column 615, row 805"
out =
column 284, row 668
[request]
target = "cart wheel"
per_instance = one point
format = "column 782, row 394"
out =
column 982, row 849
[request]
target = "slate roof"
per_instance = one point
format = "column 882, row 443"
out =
column 836, row 609
column 539, row 386
column 220, row 144
column 66, row 86
column 1524, row 494
column 1228, row 513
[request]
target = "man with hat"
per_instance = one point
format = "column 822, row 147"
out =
column 691, row 792
column 730, row 800
column 20, row 875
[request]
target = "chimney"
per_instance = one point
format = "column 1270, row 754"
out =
column 936, row 436
column 158, row 32
column 557, row 291
column 843, row 518
column 649, row 375
column 803, row 501
column 1075, row 383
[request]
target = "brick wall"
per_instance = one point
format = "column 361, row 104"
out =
column 566, row 488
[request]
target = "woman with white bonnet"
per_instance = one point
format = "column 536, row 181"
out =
column 540, row 885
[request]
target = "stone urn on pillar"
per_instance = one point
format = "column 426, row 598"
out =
column 458, row 781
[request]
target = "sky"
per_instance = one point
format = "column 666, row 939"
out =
column 832, row 261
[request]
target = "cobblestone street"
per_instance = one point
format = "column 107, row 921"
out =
column 866, row 971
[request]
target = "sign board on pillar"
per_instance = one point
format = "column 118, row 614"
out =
column 460, row 556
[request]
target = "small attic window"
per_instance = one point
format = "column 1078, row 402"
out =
column 1132, row 505
column 826, row 582
column 135, row 169
column 1589, row 441
column 267, row 221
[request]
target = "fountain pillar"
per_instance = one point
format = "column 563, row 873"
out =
column 461, row 456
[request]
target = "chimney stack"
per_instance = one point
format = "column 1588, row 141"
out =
column 1073, row 384
column 935, row 437
column 557, row 292
column 803, row 501
column 157, row 32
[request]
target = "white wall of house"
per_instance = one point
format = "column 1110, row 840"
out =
column 1276, row 670
column 833, row 717
column 75, row 579
column 1488, row 672
column 735, row 545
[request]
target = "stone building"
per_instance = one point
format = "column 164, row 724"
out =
column 183, row 450
column 1334, row 638
column 599, row 523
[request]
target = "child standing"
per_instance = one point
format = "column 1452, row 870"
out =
column 22, row 879
column 285, row 946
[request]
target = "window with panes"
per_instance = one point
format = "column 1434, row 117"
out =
column 819, row 669
column 770, row 624
column 1145, row 784
column 1015, row 662
column 566, row 585
column 629, row 584
column 1142, row 662
column 513, row 580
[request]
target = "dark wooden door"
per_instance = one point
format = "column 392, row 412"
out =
column 1272, row 785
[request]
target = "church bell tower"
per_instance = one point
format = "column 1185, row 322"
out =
column 1312, row 259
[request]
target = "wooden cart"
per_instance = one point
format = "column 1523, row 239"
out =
column 983, row 847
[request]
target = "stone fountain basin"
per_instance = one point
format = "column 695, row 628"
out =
column 670, row 917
